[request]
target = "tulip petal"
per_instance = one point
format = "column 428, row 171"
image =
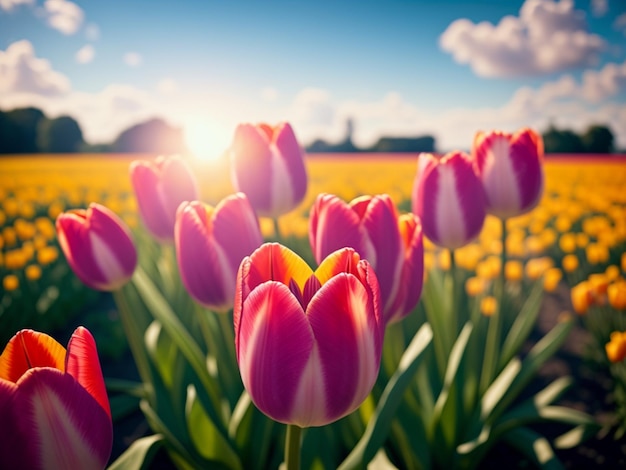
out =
column 273, row 261
column 83, row 364
column 344, row 260
column 252, row 165
column 275, row 342
column 291, row 153
column 348, row 336
column 202, row 264
column 27, row 349
column 333, row 224
column 527, row 159
column 145, row 181
column 57, row 424
column 177, row 185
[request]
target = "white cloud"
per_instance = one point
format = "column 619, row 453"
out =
column 63, row 15
column 599, row 7
column 132, row 59
column 167, row 86
column 85, row 54
column 22, row 72
column 269, row 94
column 8, row 5
column 620, row 23
column 547, row 37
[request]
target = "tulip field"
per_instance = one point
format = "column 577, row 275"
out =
column 440, row 373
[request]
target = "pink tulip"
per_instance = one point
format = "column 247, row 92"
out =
column 308, row 343
column 268, row 165
column 54, row 408
column 160, row 187
column 449, row 198
column 210, row 245
column 98, row 247
column 391, row 243
column 511, row 169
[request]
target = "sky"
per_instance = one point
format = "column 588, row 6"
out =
column 395, row 68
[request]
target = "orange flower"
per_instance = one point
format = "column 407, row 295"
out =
column 616, row 347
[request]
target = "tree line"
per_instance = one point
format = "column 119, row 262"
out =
column 29, row 130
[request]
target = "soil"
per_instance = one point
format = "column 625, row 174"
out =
column 591, row 393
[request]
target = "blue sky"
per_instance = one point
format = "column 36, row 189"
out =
column 395, row 67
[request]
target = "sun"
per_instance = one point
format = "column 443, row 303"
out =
column 207, row 140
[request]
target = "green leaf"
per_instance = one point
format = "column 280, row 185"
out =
column 123, row 405
column 139, row 455
column 534, row 446
column 207, row 440
column 380, row 424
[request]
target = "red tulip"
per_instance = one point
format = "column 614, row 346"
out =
column 391, row 243
column 449, row 199
column 308, row 343
column 210, row 245
column 54, row 408
column 268, row 166
column 98, row 247
column 160, row 187
column 510, row 167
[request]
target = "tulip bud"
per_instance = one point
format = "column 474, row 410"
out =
column 54, row 407
column 616, row 347
column 210, row 245
column 510, row 167
column 98, row 247
column 449, row 199
column 160, row 187
column 308, row 343
column 391, row 243
column 268, row 165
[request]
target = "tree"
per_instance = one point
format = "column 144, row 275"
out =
column 60, row 135
column 562, row 141
column 598, row 139
column 153, row 136
column 18, row 130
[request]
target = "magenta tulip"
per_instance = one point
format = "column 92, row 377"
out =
column 98, row 247
column 160, row 187
column 391, row 243
column 308, row 343
column 510, row 167
column 54, row 408
column 210, row 245
column 268, row 165
column 449, row 199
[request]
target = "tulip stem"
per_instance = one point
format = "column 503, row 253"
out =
column 453, row 297
column 292, row 447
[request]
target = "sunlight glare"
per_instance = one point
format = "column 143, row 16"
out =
column 207, row 140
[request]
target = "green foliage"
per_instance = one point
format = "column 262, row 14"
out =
column 596, row 139
column 59, row 135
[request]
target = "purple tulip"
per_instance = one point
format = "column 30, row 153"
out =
column 510, row 167
column 98, row 247
column 449, row 199
column 268, row 165
column 391, row 243
column 54, row 407
column 210, row 245
column 160, row 187
column 308, row 343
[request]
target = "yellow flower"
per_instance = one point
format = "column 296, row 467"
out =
column 488, row 305
column 570, row 263
column 475, row 286
column 536, row 267
column 10, row 282
column 582, row 297
column 616, row 347
column 582, row 240
column 443, row 260
column 15, row 259
column 599, row 282
column 612, row 272
column 551, row 279
column 567, row 242
column 47, row 255
column 514, row 270
column 33, row 272
column 597, row 253
column 623, row 262
column 616, row 294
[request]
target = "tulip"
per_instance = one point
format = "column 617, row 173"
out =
column 616, row 347
column 54, row 408
column 391, row 243
column 210, row 244
column 510, row 167
column 268, row 165
column 449, row 199
column 160, row 187
column 98, row 247
column 308, row 343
